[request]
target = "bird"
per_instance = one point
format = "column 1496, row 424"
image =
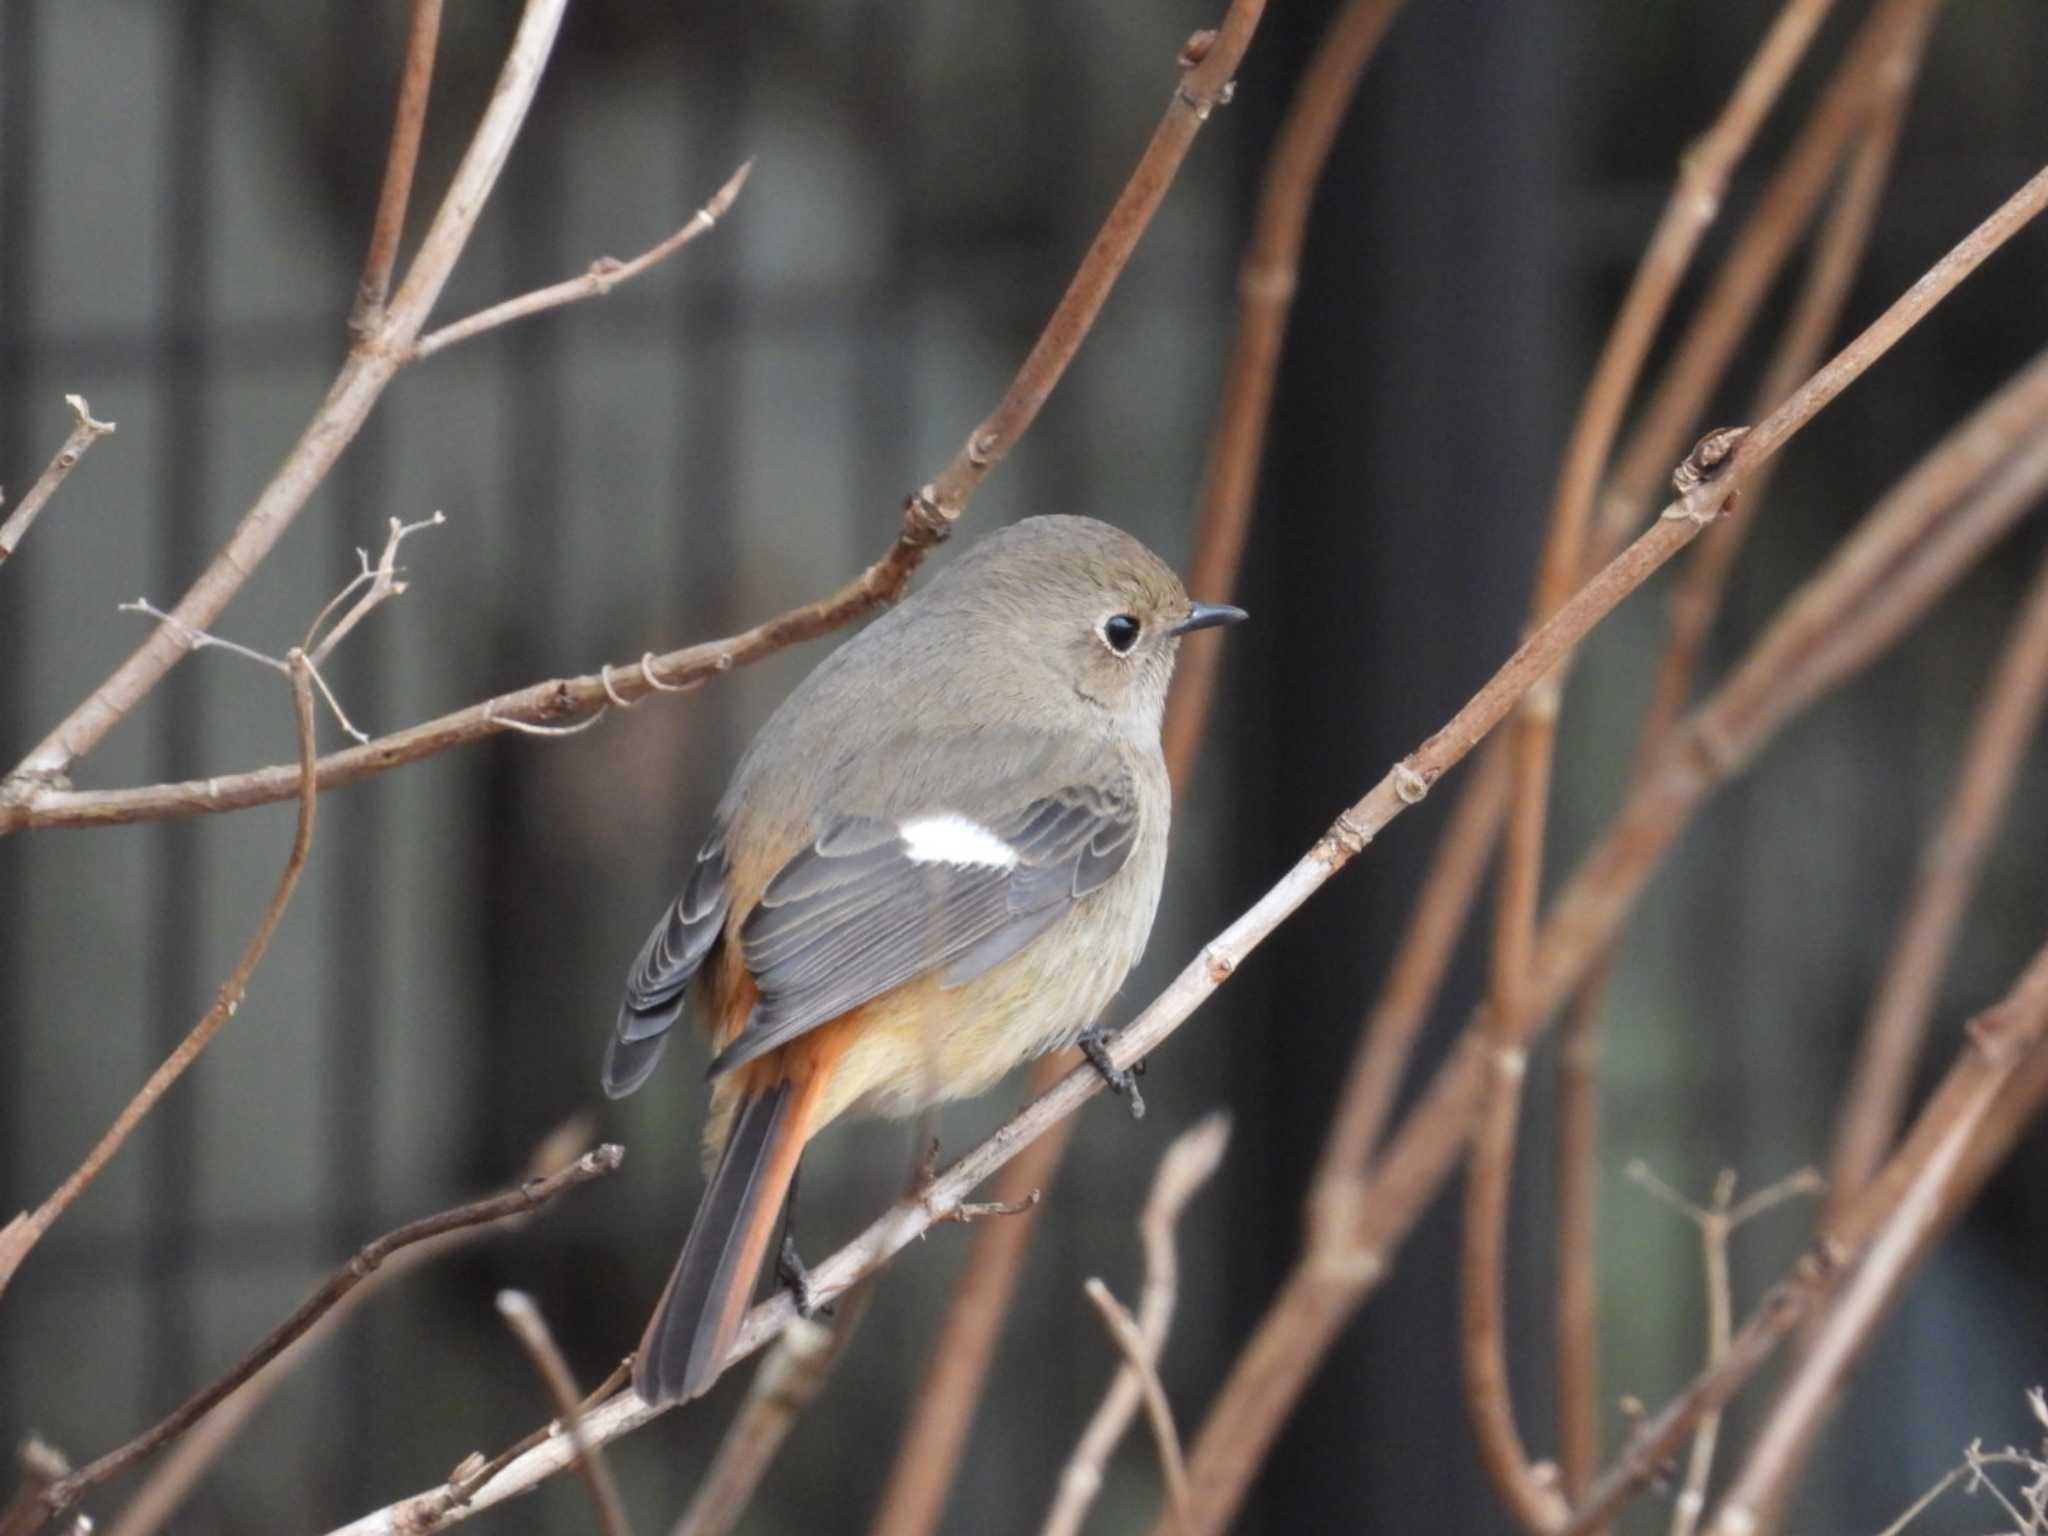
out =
column 939, row 858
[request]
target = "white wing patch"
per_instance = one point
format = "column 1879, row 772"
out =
column 950, row 838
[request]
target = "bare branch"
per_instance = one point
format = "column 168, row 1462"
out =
column 603, row 275
column 173, row 1478
column 82, row 436
column 1530, row 1493
column 2005, row 725
column 31, row 796
column 1701, row 357
column 1188, row 1164
column 401, row 159
column 26, row 1230
column 788, row 1379
column 381, row 581
column 1124, row 1329
column 65, row 1492
column 1266, row 282
column 371, row 364
column 1717, row 1223
column 523, row 1316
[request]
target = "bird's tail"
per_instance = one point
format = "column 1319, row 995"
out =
column 699, row 1313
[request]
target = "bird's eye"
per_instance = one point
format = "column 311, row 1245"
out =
column 1120, row 632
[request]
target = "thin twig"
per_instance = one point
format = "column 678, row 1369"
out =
column 26, row 1230
column 188, row 1459
column 788, row 1379
column 1409, row 992
column 523, row 1316
column 942, row 1411
column 2005, row 725
column 1851, row 1321
column 1531, row 1497
column 1717, row 1222
column 1123, row 1328
column 1188, row 1164
column 409, row 121
column 1266, row 282
column 84, row 433
column 380, row 582
column 1670, row 417
column 603, row 275
column 62, row 1494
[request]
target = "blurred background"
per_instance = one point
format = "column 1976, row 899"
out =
column 185, row 192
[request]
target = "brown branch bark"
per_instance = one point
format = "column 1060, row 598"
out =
column 523, row 1316
column 67, row 1491
column 1189, row 1163
column 172, row 1479
column 77, row 443
column 604, row 274
column 2005, row 725
column 1123, row 1329
column 409, row 121
column 942, row 1412
column 1266, row 282
column 788, row 1380
column 1277, row 1362
column 1533, row 1501
column 20, row 1235
column 1701, row 357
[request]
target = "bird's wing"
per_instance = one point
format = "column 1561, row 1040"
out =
column 667, row 961
column 955, row 889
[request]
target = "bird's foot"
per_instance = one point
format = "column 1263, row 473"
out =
column 1120, row 1080
column 794, row 1274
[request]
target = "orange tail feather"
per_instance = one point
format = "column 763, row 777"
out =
column 699, row 1314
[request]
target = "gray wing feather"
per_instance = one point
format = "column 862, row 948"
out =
column 853, row 916
column 667, row 962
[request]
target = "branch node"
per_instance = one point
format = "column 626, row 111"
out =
column 1708, row 458
column 1409, row 785
column 1345, row 840
column 925, row 522
column 1217, row 964
column 1197, row 47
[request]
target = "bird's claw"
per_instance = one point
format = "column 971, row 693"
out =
column 794, row 1274
column 1121, row 1081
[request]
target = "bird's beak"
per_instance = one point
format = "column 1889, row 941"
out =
column 1208, row 616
